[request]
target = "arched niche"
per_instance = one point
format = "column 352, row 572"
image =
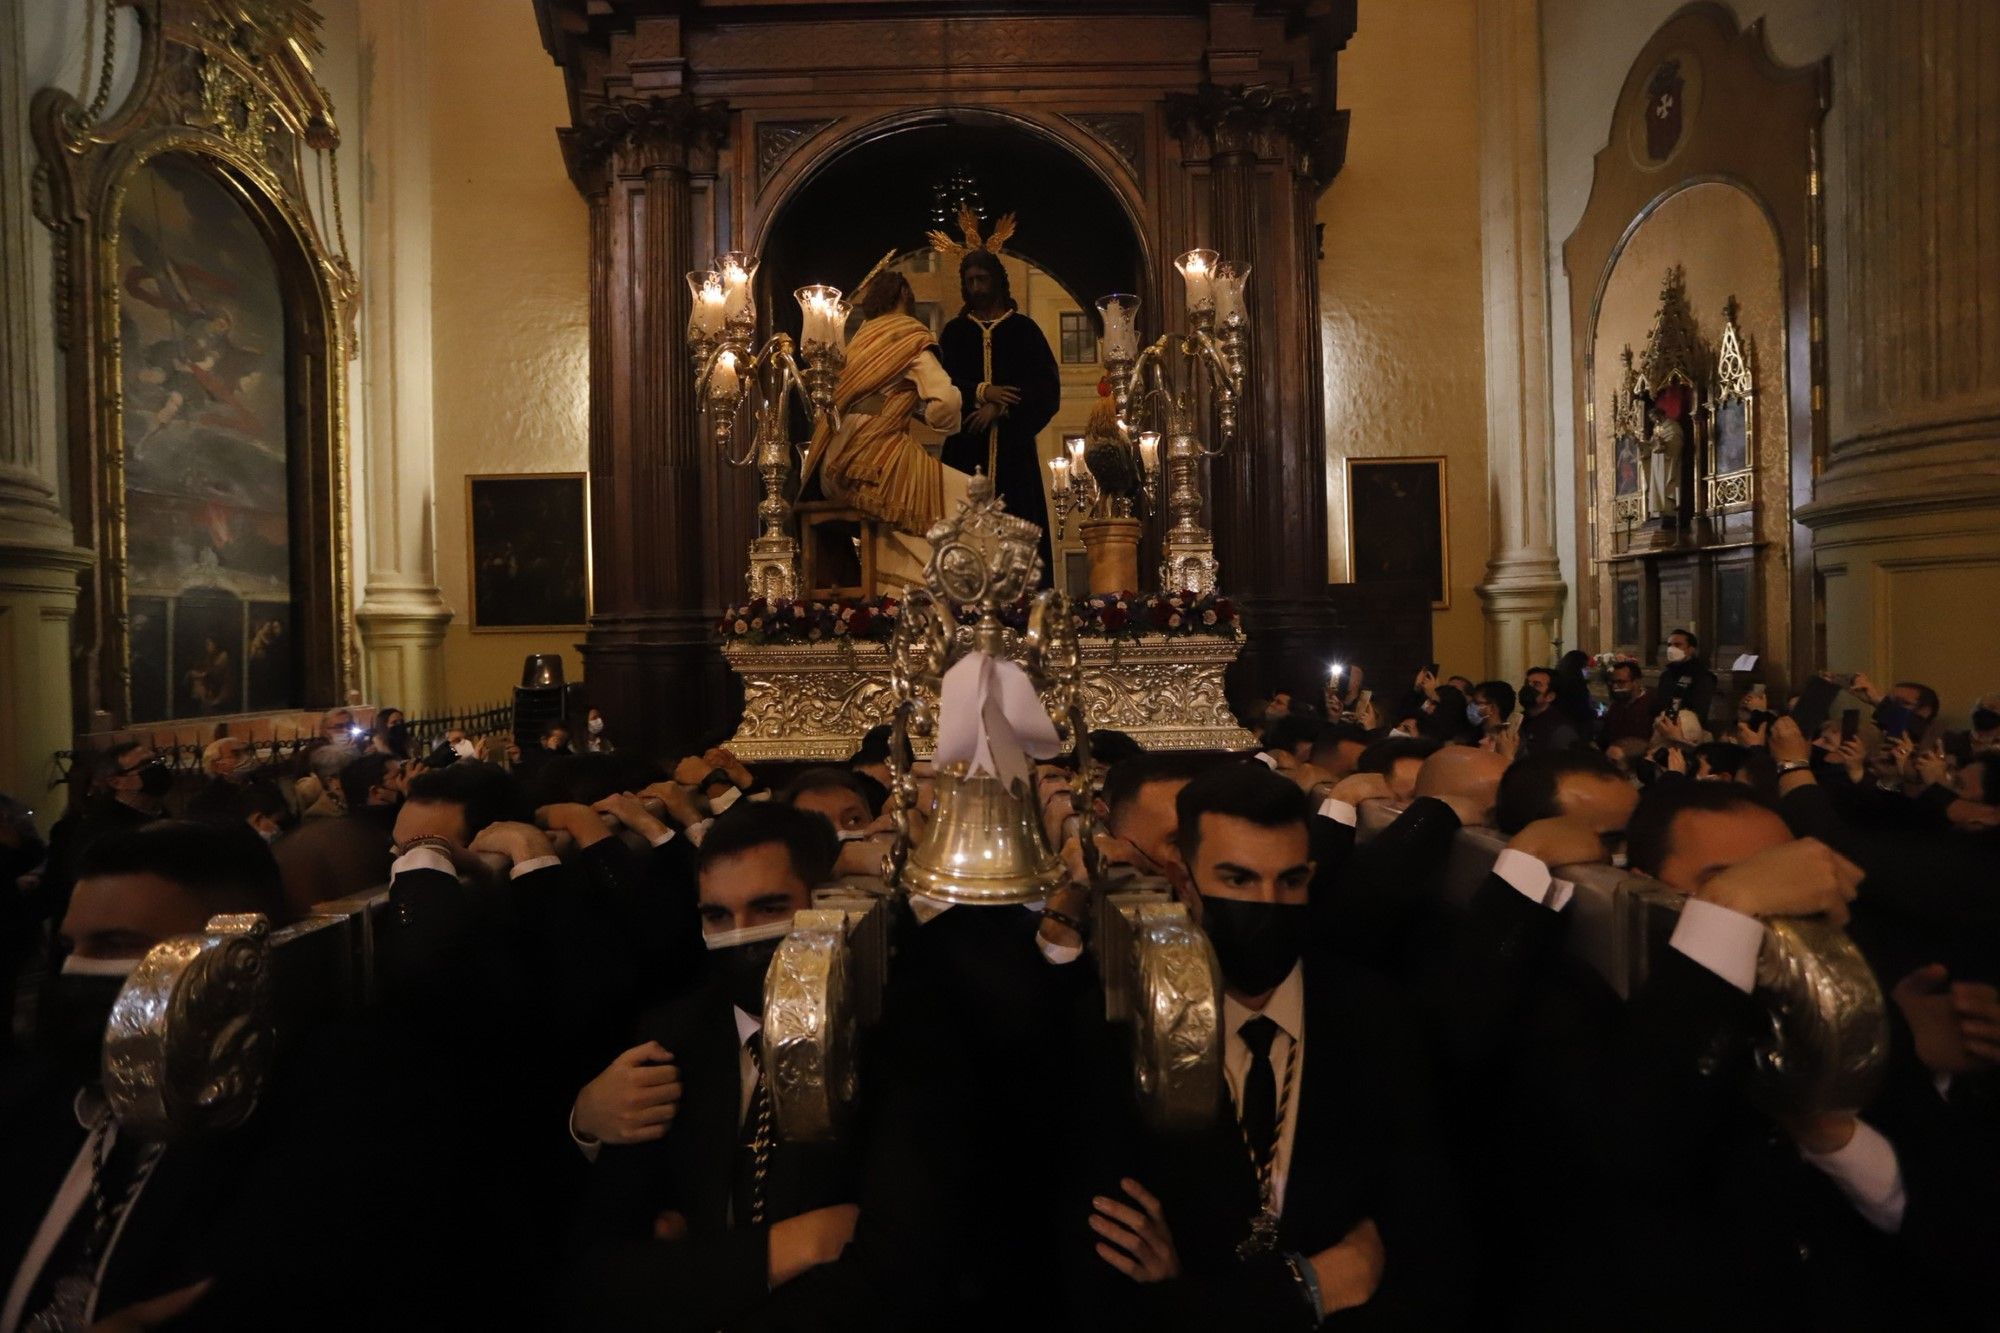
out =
column 1705, row 107
column 869, row 191
column 1713, row 244
column 206, row 320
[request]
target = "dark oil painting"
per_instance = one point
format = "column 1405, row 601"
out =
column 530, row 545
column 1395, row 509
column 206, row 456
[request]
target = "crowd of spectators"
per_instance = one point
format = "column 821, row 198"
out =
column 554, row 1112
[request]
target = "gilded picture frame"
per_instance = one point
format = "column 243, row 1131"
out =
column 1398, row 522
column 234, row 103
column 527, row 551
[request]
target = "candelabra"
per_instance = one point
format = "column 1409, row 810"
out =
column 1073, row 484
column 722, row 333
column 1158, row 387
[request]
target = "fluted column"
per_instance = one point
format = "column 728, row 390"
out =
column 1268, row 155
column 402, row 616
column 651, row 637
column 39, row 558
column 1524, row 588
column 1906, row 507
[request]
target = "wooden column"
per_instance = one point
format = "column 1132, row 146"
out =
column 650, row 656
column 1261, row 152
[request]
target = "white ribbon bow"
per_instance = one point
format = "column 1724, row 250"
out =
column 991, row 720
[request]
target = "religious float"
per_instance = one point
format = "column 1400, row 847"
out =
column 810, row 643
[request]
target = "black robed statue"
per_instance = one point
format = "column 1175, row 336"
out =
column 1007, row 380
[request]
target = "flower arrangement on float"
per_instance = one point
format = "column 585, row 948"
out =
column 763, row 622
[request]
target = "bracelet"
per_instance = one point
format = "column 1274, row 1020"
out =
column 439, row 841
column 1794, row 766
column 1065, row 919
column 1308, row 1280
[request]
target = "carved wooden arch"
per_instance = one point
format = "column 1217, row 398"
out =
column 1743, row 89
column 840, row 138
column 235, row 96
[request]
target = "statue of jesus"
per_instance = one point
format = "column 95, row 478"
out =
column 1664, row 440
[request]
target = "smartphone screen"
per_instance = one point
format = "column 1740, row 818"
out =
column 1850, row 725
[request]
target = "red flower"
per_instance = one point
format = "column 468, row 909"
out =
column 1162, row 614
column 863, row 618
column 1115, row 617
column 1225, row 608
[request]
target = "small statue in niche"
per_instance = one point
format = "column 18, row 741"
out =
column 1664, row 443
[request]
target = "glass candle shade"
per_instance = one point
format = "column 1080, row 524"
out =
column 1197, row 269
column 823, row 317
column 1230, row 279
column 738, row 271
column 1059, row 475
column 1149, row 452
column 1121, row 326
column 705, row 309
column 723, row 382
column 1078, row 466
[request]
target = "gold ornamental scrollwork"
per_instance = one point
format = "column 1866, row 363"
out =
column 229, row 85
column 816, row 701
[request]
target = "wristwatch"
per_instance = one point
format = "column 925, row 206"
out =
column 1794, row 766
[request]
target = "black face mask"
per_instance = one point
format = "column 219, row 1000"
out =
column 1256, row 943
column 156, row 779
column 742, row 968
column 1985, row 719
column 70, row 1015
column 397, row 737
column 1530, row 696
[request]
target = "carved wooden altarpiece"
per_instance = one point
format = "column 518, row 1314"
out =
column 695, row 122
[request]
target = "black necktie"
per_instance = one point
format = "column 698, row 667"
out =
column 1258, row 1111
column 754, row 1159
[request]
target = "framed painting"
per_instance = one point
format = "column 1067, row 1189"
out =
column 1396, row 523
column 528, row 537
column 1626, row 616
column 207, row 316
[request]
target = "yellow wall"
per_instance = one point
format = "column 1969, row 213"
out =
column 1400, row 300
column 510, row 312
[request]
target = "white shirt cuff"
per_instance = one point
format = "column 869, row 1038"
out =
column 1340, row 812
column 1533, row 880
column 532, row 864
column 1267, row 761
column 423, row 858
column 697, row 831
column 1724, row 942
column 724, row 801
column 1059, row 953
column 587, row 1146
column 663, row 839
column 1867, row 1172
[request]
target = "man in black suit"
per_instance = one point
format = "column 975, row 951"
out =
column 1834, row 1219
column 698, row 1225
column 229, row 1229
column 1320, row 1187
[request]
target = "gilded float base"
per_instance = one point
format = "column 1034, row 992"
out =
column 816, row 701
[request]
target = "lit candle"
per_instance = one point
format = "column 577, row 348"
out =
column 737, row 269
column 1078, row 465
column 1149, row 451
column 1198, row 271
column 705, row 311
column 821, row 316
column 1121, row 332
column 1230, row 279
column 722, row 381
column 1059, row 475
